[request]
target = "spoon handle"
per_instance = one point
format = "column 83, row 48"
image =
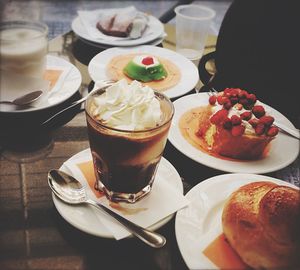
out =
column 151, row 238
column 64, row 110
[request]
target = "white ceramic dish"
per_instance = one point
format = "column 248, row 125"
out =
column 197, row 225
column 85, row 219
column 189, row 72
column 284, row 149
column 155, row 30
column 67, row 86
column 154, row 42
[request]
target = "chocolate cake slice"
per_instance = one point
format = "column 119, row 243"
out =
column 121, row 24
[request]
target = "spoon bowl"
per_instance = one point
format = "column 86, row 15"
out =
column 25, row 99
column 71, row 191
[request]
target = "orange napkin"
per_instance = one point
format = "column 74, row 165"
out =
column 223, row 255
column 52, row 75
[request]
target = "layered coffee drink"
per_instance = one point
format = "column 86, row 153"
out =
column 128, row 127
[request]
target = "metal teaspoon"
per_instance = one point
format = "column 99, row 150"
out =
column 26, row 99
column 71, row 191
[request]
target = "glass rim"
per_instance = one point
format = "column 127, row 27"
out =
column 159, row 94
column 207, row 17
column 11, row 24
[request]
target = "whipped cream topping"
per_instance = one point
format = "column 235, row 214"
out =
column 127, row 107
column 139, row 58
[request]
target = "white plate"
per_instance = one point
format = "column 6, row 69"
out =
column 155, row 30
column 284, row 149
column 189, row 72
column 84, row 218
column 197, row 225
column 64, row 89
column 154, row 42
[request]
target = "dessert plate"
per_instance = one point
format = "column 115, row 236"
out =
column 66, row 86
column 189, row 72
column 154, row 42
column 197, row 225
column 283, row 151
column 155, row 30
column 85, row 219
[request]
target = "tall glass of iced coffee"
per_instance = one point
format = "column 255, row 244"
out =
column 128, row 126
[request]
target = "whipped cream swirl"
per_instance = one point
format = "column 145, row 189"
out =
column 127, row 107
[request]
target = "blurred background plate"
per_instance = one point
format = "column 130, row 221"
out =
column 154, row 31
column 19, row 128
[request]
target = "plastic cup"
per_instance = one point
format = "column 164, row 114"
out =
column 192, row 28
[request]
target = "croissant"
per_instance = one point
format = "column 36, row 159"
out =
column 261, row 221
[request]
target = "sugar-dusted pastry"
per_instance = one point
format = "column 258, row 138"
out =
column 261, row 221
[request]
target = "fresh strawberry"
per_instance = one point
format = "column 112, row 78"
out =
column 244, row 101
column 246, row 115
column 237, row 130
column 227, row 123
column 222, row 100
column 234, row 100
column 219, row 116
column 235, row 120
column 148, row 61
column 227, row 105
column 227, row 92
column 253, row 122
column 272, row 131
column 266, row 120
column 234, row 92
column 251, row 98
column 212, row 100
column 260, row 129
column 242, row 94
column 258, row 111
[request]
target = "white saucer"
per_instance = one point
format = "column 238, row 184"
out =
column 189, row 72
column 85, row 219
column 197, row 225
column 283, row 151
column 67, row 87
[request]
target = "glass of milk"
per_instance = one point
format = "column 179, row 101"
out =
column 23, row 48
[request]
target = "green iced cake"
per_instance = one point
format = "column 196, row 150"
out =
column 145, row 68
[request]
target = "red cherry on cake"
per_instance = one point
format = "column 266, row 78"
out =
column 148, row 61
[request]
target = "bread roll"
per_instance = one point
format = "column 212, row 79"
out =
column 261, row 221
